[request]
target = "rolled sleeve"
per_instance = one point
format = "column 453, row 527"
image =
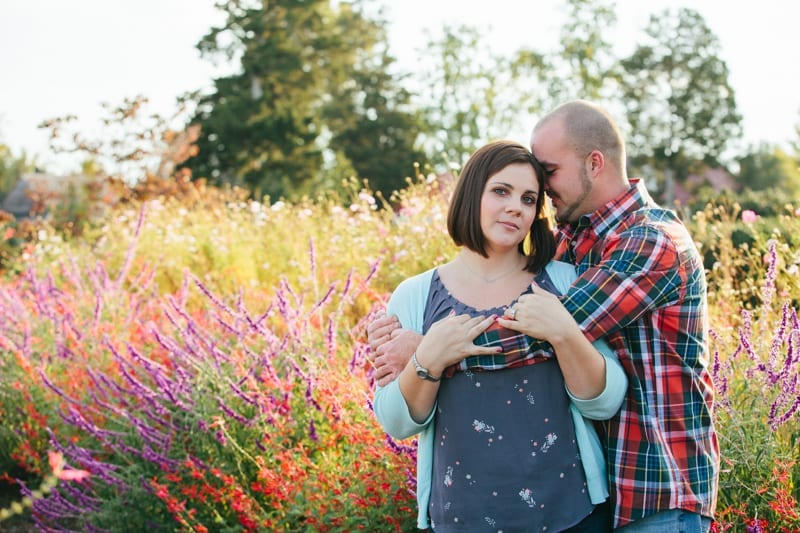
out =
column 607, row 403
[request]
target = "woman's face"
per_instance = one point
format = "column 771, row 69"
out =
column 508, row 206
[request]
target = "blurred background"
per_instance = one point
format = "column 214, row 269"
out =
column 289, row 98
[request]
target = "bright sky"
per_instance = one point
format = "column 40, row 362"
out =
column 60, row 57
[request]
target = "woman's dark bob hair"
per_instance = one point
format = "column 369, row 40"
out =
column 464, row 216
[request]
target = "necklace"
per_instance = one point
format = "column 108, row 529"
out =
column 484, row 278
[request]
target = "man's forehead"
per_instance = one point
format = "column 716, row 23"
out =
column 541, row 146
column 546, row 138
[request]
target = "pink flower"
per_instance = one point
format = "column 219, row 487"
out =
column 57, row 465
column 749, row 216
column 365, row 197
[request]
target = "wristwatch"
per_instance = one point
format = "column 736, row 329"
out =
column 422, row 372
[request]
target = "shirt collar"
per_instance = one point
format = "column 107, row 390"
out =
column 612, row 213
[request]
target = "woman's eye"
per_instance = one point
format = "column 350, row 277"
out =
column 499, row 190
column 529, row 200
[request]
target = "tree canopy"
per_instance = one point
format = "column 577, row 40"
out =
column 269, row 126
column 769, row 167
column 680, row 104
column 319, row 97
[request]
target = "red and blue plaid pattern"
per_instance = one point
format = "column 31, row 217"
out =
column 518, row 350
column 642, row 287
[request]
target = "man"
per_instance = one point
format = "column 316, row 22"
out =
column 641, row 285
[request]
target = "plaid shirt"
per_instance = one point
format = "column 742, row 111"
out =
column 642, row 286
column 517, row 348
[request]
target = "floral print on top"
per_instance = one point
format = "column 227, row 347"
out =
column 505, row 453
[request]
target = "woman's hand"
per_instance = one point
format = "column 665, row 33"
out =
column 540, row 315
column 450, row 340
column 447, row 342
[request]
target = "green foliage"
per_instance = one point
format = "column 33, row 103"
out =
column 460, row 85
column 11, row 169
column 207, row 410
column 179, row 296
column 374, row 127
column 755, row 372
column 585, row 61
column 681, row 106
column 318, row 99
column 768, row 203
column 236, row 242
column 258, row 124
column 469, row 95
column 244, row 311
column 734, row 242
column 313, row 87
column 769, row 167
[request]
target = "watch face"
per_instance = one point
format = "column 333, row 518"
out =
column 422, row 372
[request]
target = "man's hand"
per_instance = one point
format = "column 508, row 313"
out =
column 379, row 331
column 390, row 347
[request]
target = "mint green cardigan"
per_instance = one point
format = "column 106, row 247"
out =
column 408, row 303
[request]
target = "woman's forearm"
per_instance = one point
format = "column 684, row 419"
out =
column 420, row 395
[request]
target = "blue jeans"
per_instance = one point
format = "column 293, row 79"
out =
column 672, row 521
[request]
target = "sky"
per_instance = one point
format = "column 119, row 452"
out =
column 61, row 58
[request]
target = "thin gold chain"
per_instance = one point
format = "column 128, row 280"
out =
column 485, row 279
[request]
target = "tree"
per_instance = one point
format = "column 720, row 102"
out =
column 769, row 167
column 584, row 64
column 471, row 95
column 11, row 169
column 681, row 107
column 132, row 144
column 265, row 127
column 258, row 125
column 373, row 127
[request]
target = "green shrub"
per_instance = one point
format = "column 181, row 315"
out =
column 203, row 358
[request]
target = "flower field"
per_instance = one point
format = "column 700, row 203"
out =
column 199, row 364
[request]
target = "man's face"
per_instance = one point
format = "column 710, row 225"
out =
column 567, row 181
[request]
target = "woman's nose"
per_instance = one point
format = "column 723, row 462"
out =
column 514, row 206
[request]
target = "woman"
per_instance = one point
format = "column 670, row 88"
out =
column 511, row 449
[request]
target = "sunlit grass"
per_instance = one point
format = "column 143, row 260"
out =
column 204, row 360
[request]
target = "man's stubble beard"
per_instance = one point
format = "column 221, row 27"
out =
column 568, row 212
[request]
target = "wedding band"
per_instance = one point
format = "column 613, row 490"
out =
column 513, row 314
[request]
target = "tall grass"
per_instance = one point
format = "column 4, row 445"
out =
column 204, row 361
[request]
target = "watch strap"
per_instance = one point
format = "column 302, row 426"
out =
column 423, row 372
